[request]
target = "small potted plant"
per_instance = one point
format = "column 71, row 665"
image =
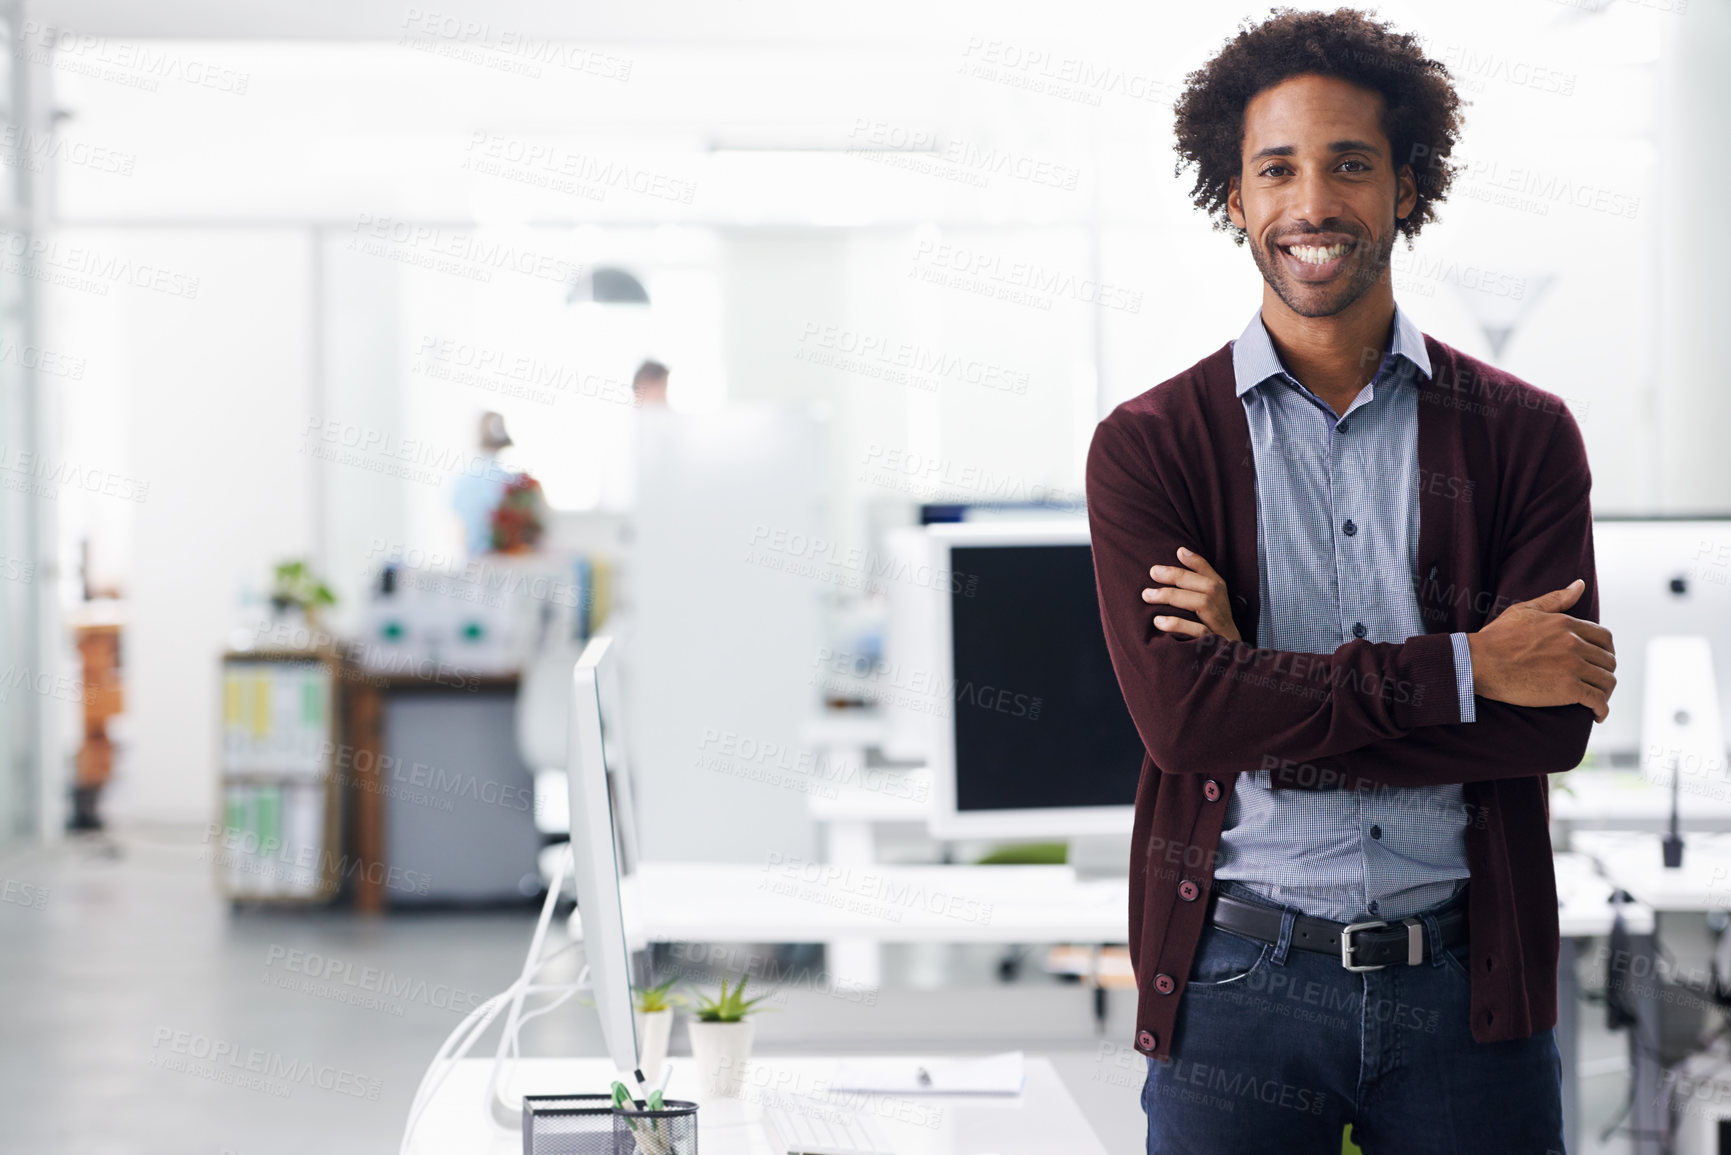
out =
column 294, row 586
column 721, row 1038
column 654, row 1007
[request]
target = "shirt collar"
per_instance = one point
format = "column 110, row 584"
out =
column 1255, row 361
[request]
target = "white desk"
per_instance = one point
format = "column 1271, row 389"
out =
column 803, row 902
column 1627, row 800
column 1042, row 1120
column 800, row 901
column 1634, row 860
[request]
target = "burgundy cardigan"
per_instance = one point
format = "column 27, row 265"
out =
column 1503, row 516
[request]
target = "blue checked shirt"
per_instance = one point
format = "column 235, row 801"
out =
column 1336, row 544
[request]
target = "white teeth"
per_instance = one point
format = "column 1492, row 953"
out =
column 1316, row 254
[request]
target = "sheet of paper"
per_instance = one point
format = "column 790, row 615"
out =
column 988, row 1075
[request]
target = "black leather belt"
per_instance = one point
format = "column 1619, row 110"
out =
column 1360, row 946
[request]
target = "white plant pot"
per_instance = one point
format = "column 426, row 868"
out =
column 653, row 1028
column 719, row 1051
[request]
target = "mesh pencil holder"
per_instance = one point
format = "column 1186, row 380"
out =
column 568, row 1125
column 669, row 1131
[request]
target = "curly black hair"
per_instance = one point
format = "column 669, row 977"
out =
column 1421, row 110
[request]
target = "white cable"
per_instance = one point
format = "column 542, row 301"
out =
column 532, row 963
column 487, row 1012
column 564, row 998
column 476, row 1022
column 423, row 1093
column 451, row 1051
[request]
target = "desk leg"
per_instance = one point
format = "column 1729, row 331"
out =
column 366, row 738
column 854, row 962
column 1568, row 1041
column 1644, row 1116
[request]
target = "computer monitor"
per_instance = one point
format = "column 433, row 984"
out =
column 1659, row 577
column 1031, row 737
column 1020, row 616
column 595, row 858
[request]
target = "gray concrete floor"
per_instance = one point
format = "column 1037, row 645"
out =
column 121, row 965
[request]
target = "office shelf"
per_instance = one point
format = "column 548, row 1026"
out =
column 278, row 838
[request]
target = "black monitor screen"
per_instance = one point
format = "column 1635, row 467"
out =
column 1038, row 716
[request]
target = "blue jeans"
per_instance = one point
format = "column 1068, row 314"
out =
column 1277, row 1049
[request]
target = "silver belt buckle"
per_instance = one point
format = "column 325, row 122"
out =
column 1346, row 947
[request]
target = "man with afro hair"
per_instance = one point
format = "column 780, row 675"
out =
column 1346, row 578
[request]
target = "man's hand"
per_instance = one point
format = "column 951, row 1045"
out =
column 1533, row 654
column 1197, row 588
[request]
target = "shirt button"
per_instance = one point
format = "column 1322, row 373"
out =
column 1164, row 984
column 1358, row 630
column 1188, row 890
column 1376, row 832
column 1348, row 528
column 1211, row 790
column 1341, row 428
column 1146, row 1040
column 1373, row 907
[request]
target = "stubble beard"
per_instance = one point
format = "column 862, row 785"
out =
column 1324, row 300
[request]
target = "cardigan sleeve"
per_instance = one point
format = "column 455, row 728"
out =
column 1208, row 705
column 1549, row 544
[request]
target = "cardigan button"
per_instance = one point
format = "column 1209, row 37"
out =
column 1188, row 891
column 1146, row 1040
column 1211, row 790
column 1164, row 984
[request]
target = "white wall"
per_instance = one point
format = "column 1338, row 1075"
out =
column 359, row 513
column 791, row 241
column 1694, row 408
column 347, row 132
column 203, row 399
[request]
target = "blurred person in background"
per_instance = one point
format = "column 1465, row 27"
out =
column 482, row 485
column 649, row 384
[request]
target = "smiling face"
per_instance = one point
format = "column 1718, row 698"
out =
column 1318, row 194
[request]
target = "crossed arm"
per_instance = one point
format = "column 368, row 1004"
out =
column 1205, row 701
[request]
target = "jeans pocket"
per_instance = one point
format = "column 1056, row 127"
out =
column 1459, row 959
column 1224, row 958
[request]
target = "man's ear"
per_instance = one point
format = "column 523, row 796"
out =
column 1235, row 202
column 1405, row 192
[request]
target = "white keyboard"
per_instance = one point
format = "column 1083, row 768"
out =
column 822, row 1131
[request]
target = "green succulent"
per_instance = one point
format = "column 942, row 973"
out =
column 727, row 1007
column 659, row 997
